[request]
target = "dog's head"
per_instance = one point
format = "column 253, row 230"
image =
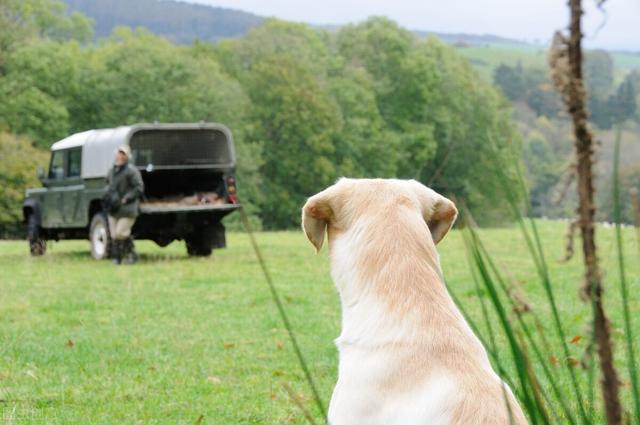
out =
column 337, row 208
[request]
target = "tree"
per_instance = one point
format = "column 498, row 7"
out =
column 598, row 73
column 22, row 21
column 510, row 80
column 41, row 81
column 296, row 122
column 18, row 163
column 363, row 144
column 543, row 172
column 29, row 111
column 438, row 109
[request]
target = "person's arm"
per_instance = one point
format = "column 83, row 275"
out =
column 136, row 184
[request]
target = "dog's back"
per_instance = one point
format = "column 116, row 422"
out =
column 407, row 356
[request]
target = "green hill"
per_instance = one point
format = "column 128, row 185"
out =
column 486, row 57
column 180, row 22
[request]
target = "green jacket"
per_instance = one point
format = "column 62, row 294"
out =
column 126, row 181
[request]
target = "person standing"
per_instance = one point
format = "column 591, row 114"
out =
column 124, row 190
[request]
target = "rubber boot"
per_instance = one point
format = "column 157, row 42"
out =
column 130, row 255
column 117, row 251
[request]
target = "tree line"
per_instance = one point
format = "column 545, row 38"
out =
column 306, row 106
column 609, row 103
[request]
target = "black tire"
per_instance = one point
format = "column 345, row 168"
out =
column 200, row 243
column 99, row 237
column 37, row 245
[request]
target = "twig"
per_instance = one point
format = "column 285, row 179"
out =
column 567, row 179
column 569, row 238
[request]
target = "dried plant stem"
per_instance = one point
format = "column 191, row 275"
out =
column 566, row 63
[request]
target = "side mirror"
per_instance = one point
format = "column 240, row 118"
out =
column 41, row 174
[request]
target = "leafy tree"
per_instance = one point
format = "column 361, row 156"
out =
column 629, row 180
column 18, row 163
column 296, row 121
column 618, row 107
column 543, row 172
column 439, row 110
column 314, row 118
column 598, row 73
column 510, row 80
column 29, row 111
column 41, row 80
column 22, row 21
column 364, row 146
column 623, row 103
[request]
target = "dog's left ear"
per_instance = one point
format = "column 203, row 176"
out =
column 315, row 217
column 439, row 212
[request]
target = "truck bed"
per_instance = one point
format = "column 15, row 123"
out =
column 209, row 201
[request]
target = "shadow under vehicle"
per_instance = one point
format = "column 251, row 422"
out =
column 188, row 172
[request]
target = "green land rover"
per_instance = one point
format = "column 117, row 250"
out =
column 188, row 172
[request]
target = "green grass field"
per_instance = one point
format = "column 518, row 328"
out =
column 174, row 340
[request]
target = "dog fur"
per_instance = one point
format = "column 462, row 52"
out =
column 407, row 356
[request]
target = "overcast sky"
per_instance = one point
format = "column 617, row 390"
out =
column 530, row 20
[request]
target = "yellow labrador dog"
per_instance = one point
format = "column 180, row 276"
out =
column 407, row 356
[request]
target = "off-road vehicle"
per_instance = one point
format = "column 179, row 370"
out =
column 188, row 173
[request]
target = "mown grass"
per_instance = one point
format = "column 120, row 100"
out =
column 178, row 340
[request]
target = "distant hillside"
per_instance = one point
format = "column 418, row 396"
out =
column 180, row 22
column 472, row 39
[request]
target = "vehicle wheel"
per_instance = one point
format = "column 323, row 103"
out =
column 37, row 245
column 99, row 237
column 199, row 244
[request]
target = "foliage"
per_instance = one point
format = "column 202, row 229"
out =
column 25, row 20
column 529, row 85
column 543, row 170
column 510, row 80
column 307, row 106
column 598, row 73
column 18, row 164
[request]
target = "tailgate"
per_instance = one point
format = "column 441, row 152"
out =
column 155, row 208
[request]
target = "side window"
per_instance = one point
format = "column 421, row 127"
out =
column 56, row 169
column 73, row 163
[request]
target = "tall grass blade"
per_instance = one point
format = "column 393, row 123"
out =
column 535, row 411
column 283, row 314
column 535, row 248
column 487, row 319
column 631, row 356
column 560, row 397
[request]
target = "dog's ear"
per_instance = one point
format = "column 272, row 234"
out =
column 443, row 216
column 439, row 212
column 315, row 217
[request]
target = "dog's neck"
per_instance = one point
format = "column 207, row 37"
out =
column 388, row 278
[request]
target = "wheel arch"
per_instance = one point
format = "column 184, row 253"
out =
column 31, row 207
column 95, row 206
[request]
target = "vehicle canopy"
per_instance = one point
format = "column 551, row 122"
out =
column 154, row 146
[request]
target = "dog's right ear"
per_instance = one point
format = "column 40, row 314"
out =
column 315, row 217
column 439, row 212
